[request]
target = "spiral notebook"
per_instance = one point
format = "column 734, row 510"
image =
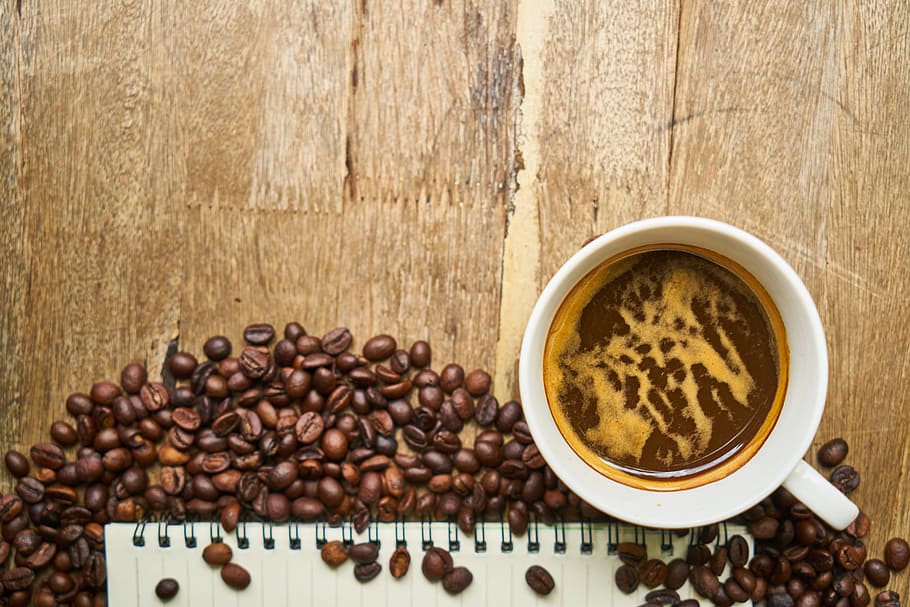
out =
column 286, row 568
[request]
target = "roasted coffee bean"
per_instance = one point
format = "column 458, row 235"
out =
column 876, row 572
column 436, row 564
column 652, row 573
column 48, row 455
column 631, row 553
column 688, row 603
column 364, row 572
column 217, row 553
column 400, row 562
column 897, row 553
column 860, row 596
column 704, row 581
column 235, row 576
column 888, row 598
column 17, row 578
column 457, row 580
column 845, row 478
column 677, row 574
column 451, row 377
column 336, row 341
column 30, row 490
column 662, row 597
column 154, row 396
column 850, row 556
column 626, row 578
column 187, row 419
column 860, row 525
column 217, row 348
column 477, row 382
column 365, row 552
column 509, row 414
column 255, row 362
column 780, row 599
column 17, row 463
column 65, row 434
column 167, row 589
column 334, row 553
column 420, row 354
column 764, row 528
column 259, row 334
column 379, row 347
column 486, row 410
column 833, row 452
column 698, row 554
column 718, row 560
column 334, row 444
column 182, row 365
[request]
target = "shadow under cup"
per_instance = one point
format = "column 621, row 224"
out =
column 666, row 366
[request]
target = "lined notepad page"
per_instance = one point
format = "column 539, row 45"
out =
column 285, row 576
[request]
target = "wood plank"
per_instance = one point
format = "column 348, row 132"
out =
column 13, row 274
column 789, row 123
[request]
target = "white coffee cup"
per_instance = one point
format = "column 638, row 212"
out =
column 777, row 462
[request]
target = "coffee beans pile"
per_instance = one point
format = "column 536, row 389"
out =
column 798, row 562
column 296, row 426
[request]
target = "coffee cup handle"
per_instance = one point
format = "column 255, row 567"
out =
column 823, row 498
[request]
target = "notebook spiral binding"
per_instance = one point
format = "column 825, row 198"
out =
column 452, row 540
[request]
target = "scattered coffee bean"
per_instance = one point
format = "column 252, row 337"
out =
column 167, row 589
column 888, row 598
column 400, row 562
column 334, row 553
column 17, row 463
column 364, row 572
column 677, row 574
column 436, row 563
column 366, row 552
column 877, row 572
column 626, row 578
column 833, row 452
column 259, row 334
column 457, row 580
column 540, row 580
column 217, row 553
column 897, row 553
column 235, row 576
column 845, row 478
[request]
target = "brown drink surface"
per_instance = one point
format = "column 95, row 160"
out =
column 663, row 365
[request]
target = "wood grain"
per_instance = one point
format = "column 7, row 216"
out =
column 188, row 169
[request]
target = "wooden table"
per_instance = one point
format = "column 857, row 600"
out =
column 187, row 168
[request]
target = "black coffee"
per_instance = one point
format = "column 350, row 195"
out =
column 664, row 364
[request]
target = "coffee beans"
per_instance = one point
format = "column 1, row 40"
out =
column 888, row 598
column 167, row 589
column 877, row 572
column 217, row 553
column 16, row 463
column 833, row 452
column 400, row 562
column 626, row 578
column 845, row 478
column 897, row 553
column 235, row 576
column 436, row 564
column 366, row 552
column 457, row 580
column 334, row 553
column 539, row 580
column 364, row 572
